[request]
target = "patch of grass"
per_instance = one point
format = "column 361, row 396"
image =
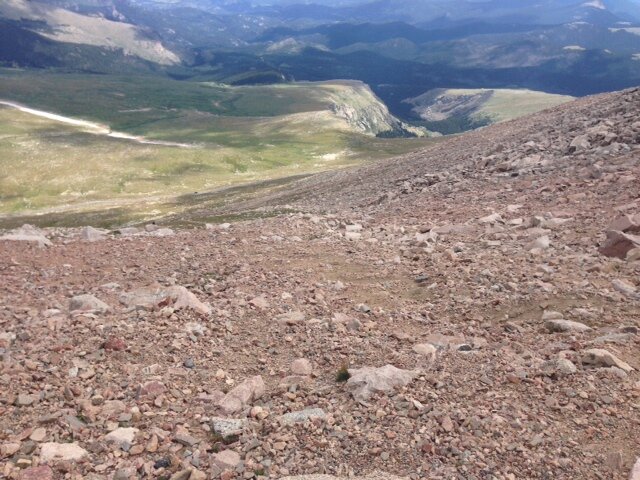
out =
column 343, row 374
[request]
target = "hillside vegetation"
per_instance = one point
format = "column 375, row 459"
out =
column 231, row 135
column 452, row 110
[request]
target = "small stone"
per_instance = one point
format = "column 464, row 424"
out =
column 425, row 349
column 9, row 449
column 185, row 439
column 558, row 367
column 42, row 472
column 228, row 426
column 226, row 459
column 38, row 435
column 115, row 344
column 181, row 475
column 152, row 444
column 25, row 400
column 189, row 363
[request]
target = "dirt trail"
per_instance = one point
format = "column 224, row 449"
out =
column 95, row 128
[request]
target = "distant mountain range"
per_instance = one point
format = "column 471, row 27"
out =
column 400, row 48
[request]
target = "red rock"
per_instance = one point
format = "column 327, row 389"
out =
column 115, row 344
column 152, row 389
column 42, row 472
column 618, row 244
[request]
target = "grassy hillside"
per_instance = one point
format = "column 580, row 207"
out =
column 453, row 110
column 237, row 135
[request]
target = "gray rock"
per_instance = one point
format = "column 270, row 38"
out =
column 566, row 326
column 303, row 416
column 87, row 304
column 364, row 382
column 28, row 233
column 559, row 367
column 228, row 426
column 91, row 234
column 625, row 288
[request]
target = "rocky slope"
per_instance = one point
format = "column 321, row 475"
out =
column 355, row 103
column 468, row 311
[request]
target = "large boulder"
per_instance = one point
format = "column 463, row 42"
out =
column 28, row 233
column 176, row 296
column 243, row 395
column 364, row 382
column 618, row 244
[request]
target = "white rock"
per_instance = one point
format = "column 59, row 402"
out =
column 366, row 381
column 70, row 452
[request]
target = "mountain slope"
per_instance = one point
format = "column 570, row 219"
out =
column 65, row 26
column 446, row 314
